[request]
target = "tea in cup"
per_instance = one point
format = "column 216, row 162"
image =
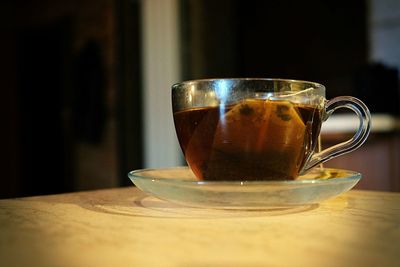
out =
column 257, row 129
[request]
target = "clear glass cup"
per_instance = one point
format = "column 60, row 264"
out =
column 258, row 129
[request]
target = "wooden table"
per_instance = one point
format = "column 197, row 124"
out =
column 124, row 227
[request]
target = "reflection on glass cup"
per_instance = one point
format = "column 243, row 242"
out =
column 257, row 129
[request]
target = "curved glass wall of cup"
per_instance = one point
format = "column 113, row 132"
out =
column 214, row 92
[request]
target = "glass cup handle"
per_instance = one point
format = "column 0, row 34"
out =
column 355, row 142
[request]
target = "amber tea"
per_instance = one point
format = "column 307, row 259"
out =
column 254, row 139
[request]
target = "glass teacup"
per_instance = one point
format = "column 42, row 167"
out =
column 257, row 129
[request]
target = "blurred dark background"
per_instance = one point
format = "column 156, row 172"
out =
column 71, row 75
column 67, row 69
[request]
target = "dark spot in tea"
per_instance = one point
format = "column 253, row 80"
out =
column 280, row 112
column 246, row 110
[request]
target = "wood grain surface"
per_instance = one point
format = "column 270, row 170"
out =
column 125, row 227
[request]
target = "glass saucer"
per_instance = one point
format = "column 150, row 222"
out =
column 179, row 185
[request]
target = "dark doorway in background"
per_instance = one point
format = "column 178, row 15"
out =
column 43, row 55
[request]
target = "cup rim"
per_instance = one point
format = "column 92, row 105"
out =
column 314, row 84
